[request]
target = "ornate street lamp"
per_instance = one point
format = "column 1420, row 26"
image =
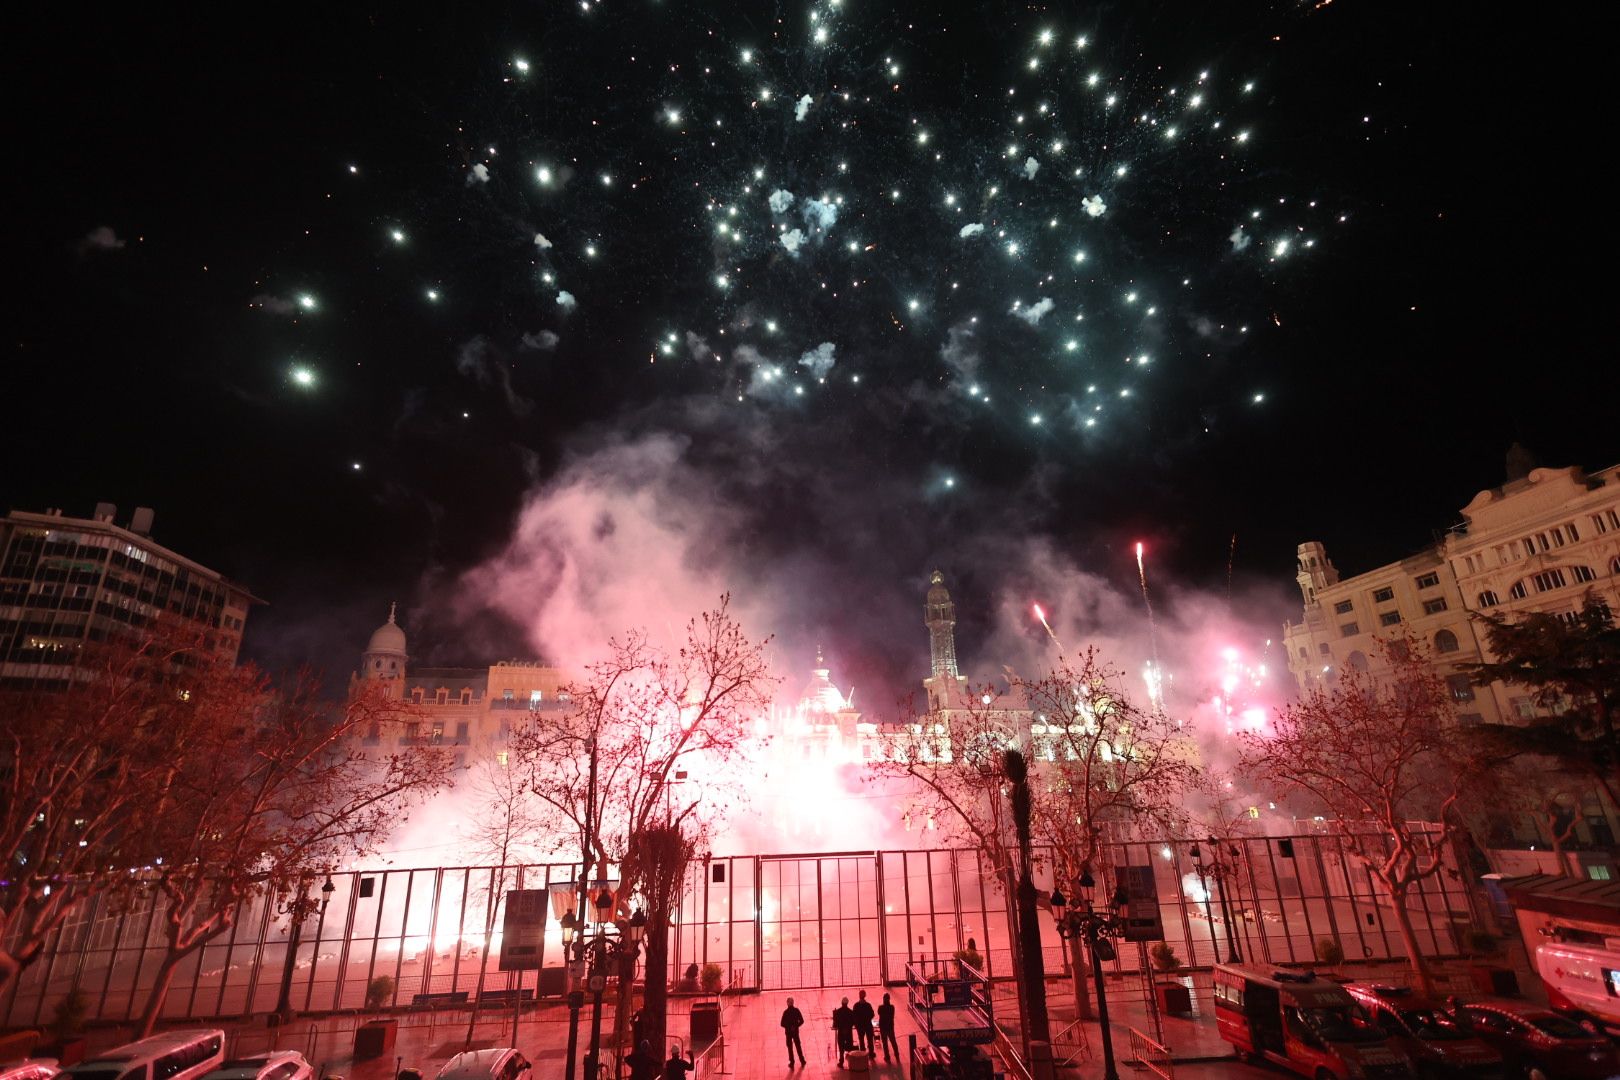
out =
column 297, row 910
column 1095, row 928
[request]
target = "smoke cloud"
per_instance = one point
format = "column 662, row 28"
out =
column 792, row 239
column 801, row 108
column 819, row 213
column 819, row 360
column 781, row 201
column 541, row 242
column 1031, row 167
column 478, row 175
column 540, row 340
column 971, row 230
column 477, row 360
column 1239, row 239
column 100, row 238
column 1035, row 312
column 1093, row 205
column 566, row 301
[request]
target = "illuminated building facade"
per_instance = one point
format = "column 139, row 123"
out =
column 472, row 710
column 1546, row 541
column 67, row 582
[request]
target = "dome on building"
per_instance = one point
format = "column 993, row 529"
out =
column 387, row 638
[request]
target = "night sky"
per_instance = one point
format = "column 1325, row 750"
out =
column 1288, row 271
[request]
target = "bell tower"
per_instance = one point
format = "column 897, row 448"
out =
column 939, row 615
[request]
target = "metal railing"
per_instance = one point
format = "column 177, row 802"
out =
column 1150, row 1055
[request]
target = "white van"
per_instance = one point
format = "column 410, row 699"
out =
column 1585, row 978
column 175, row 1055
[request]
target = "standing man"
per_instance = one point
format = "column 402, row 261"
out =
column 843, row 1022
column 792, row 1021
column 886, row 1028
column 677, row 1067
column 863, row 1022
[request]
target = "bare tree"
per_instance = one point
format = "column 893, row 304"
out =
column 87, row 772
column 950, row 760
column 1107, row 768
column 502, row 829
column 602, row 769
column 1376, row 755
column 280, row 786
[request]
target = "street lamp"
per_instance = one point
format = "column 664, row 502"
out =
column 298, row 909
column 1219, row 871
column 606, row 944
column 1095, row 928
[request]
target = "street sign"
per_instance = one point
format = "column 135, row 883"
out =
column 1141, row 912
column 523, row 930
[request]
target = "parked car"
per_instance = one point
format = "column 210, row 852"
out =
column 275, row 1065
column 29, row 1069
column 1426, row 1032
column 1544, row 1045
column 494, row 1064
column 175, row 1055
column 1303, row 1023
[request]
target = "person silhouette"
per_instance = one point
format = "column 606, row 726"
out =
column 792, row 1021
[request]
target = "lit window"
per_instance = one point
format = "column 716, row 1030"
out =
column 534, row 699
column 1461, row 688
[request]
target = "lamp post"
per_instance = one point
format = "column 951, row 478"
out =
column 600, row 948
column 1219, row 871
column 299, row 908
column 1095, row 928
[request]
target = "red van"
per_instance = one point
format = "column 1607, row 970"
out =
column 1303, row 1023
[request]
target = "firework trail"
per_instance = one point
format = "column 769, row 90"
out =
column 1153, row 626
column 1041, row 615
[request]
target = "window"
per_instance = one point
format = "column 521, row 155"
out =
column 1349, row 629
column 1389, row 618
column 466, row 696
column 503, row 757
column 1342, row 607
column 1568, row 618
column 438, row 734
column 1582, row 573
column 1600, row 873
column 1384, row 595
column 1428, row 581
column 1461, row 688
column 1304, row 653
column 506, row 695
column 1445, row 641
column 1524, row 708
column 534, row 699
column 1357, row 660
column 1599, row 524
column 1470, row 719
column 1488, row 599
column 442, row 697
column 1398, row 650
column 1548, row 580
column 1614, row 565
column 1435, row 606
column 1557, row 537
column 1529, row 546
column 1569, row 531
column 416, row 695
column 1518, row 591
column 1323, row 649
